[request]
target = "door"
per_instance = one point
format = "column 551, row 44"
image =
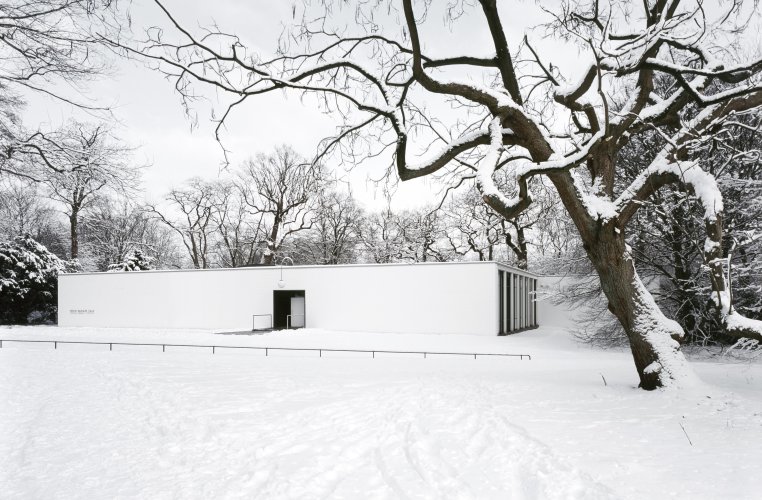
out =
column 288, row 309
column 297, row 312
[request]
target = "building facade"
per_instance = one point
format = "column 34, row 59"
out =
column 480, row 298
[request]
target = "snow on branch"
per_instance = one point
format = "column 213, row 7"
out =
column 522, row 171
column 704, row 186
column 491, row 194
column 662, row 172
column 571, row 97
column 479, row 137
column 744, row 327
column 572, row 92
column 735, row 74
column 559, row 162
column 735, row 323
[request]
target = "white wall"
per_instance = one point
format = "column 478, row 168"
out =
column 409, row 298
column 550, row 313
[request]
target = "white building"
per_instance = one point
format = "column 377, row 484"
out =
column 480, row 298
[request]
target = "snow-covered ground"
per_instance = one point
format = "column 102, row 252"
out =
column 83, row 422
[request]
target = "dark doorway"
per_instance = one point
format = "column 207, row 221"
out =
column 289, row 309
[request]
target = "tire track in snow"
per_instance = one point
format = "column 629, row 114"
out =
column 18, row 440
column 427, row 437
column 415, row 441
column 495, row 459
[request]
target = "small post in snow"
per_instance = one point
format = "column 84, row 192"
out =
column 686, row 433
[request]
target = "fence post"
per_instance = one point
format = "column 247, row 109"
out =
column 55, row 345
column 266, row 351
column 212, row 349
column 163, row 348
column 111, row 347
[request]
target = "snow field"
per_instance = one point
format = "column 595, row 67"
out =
column 82, row 422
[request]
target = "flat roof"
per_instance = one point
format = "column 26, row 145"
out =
column 500, row 265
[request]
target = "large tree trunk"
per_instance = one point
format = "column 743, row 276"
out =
column 519, row 248
column 74, row 233
column 522, row 254
column 653, row 337
column 268, row 258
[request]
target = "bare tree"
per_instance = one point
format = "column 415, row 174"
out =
column 380, row 237
column 239, row 232
column 522, row 117
column 49, row 48
column 474, row 228
column 554, row 237
column 93, row 161
column 195, row 205
column 282, row 187
column 333, row 238
column 421, row 233
column 116, row 228
column 21, row 209
column 413, row 235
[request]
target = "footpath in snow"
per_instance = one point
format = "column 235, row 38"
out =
column 83, row 422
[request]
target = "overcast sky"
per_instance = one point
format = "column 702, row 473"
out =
column 152, row 119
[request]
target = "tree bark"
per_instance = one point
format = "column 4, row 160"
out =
column 683, row 276
column 519, row 248
column 734, row 324
column 74, row 233
column 269, row 255
column 652, row 336
column 522, row 253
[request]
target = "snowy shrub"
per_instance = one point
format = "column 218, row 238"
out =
column 134, row 261
column 747, row 349
column 28, row 281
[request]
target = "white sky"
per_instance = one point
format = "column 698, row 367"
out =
column 151, row 117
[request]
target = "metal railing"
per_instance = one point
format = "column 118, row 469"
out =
column 288, row 320
column 267, row 350
column 254, row 322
